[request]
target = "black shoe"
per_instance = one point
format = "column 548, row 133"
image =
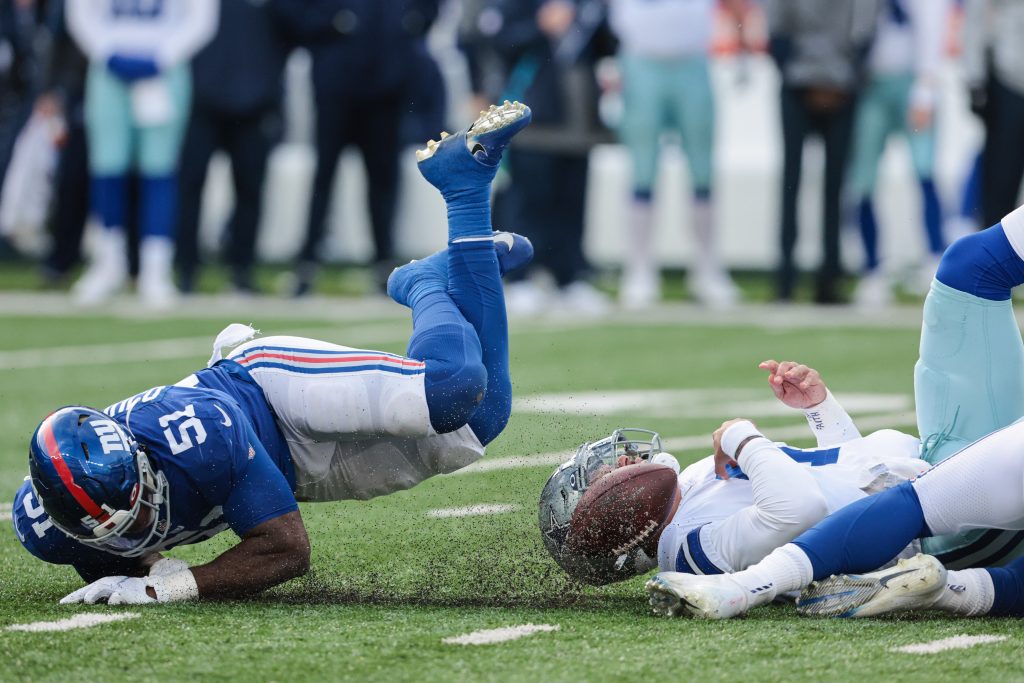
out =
column 827, row 292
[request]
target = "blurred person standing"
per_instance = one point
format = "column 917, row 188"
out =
column 20, row 22
column 62, row 94
column 236, row 107
column 899, row 98
column 366, row 57
column 549, row 49
column 663, row 57
column 137, row 97
column 820, row 49
column 993, row 57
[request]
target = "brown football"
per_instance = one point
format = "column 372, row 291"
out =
column 622, row 511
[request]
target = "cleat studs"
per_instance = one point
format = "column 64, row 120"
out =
column 444, row 134
column 421, row 154
column 493, row 107
column 506, row 103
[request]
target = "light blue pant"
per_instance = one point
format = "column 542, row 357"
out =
column 667, row 95
column 116, row 143
column 968, row 382
column 881, row 112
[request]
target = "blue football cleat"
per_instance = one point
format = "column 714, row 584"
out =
column 513, row 252
column 469, row 160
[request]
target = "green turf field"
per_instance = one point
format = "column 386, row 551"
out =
column 390, row 582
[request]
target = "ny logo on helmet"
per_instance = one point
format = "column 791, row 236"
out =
column 110, row 435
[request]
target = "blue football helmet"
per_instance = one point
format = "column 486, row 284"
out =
column 97, row 484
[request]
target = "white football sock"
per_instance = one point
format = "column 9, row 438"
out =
column 704, row 234
column 968, row 592
column 639, row 255
column 786, row 569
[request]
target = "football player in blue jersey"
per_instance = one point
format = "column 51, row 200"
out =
column 283, row 419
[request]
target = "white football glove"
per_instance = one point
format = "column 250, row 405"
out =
column 114, row 590
column 166, row 566
column 126, row 590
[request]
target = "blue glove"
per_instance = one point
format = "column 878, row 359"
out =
column 130, row 69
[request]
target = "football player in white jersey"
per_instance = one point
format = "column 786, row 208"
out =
column 729, row 518
column 971, row 335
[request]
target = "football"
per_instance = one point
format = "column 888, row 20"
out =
column 622, row 511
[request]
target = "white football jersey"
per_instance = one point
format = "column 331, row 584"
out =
column 169, row 31
column 665, row 28
column 725, row 526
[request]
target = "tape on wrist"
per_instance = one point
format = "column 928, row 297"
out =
column 736, row 435
column 176, row 587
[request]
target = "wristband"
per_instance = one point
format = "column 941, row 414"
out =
column 735, row 435
column 176, row 587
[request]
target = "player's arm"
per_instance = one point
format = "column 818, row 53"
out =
column 787, row 500
column 799, row 386
column 194, row 30
column 86, row 24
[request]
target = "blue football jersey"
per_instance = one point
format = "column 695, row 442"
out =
column 219, row 476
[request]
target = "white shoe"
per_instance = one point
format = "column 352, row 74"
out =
column 586, row 299
column 156, row 285
column 525, row 298
column 874, row 291
column 107, row 270
column 640, row 288
column 711, row 286
column 674, row 594
column 914, row 583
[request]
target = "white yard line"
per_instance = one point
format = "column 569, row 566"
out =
column 500, row 635
column 473, row 510
column 681, row 443
column 955, row 643
column 5, row 512
column 77, row 621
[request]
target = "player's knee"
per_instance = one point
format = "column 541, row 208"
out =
column 982, row 264
column 453, row 393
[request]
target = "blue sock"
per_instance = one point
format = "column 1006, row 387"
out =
column 1009, row 589
column 469, row 213
column 970, row 201
column 868, row 232
column 474, row 284
column 983, row 264
column 455, row 377
column 159, row 206
column 863, row 536
column 109, row 197
column 932, row 217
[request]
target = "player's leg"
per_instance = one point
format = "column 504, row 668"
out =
column 871, row 130
column 159, row 150
column 109, row 131
column 640, row 130
column 708, row 280
column 969, row 379
column 462, row 167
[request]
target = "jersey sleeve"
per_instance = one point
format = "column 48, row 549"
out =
column 197, row 26
column 86, row 25
column 40, row 537
column 260, row 493
column 787, row 501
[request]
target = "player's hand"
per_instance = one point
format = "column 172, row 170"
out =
column 114, row 590
column 722, row 461
column 796, row 385
column 920, row 118
column 131, row 591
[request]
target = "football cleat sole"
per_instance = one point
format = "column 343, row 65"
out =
column 493, row 128
column 913, row 583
